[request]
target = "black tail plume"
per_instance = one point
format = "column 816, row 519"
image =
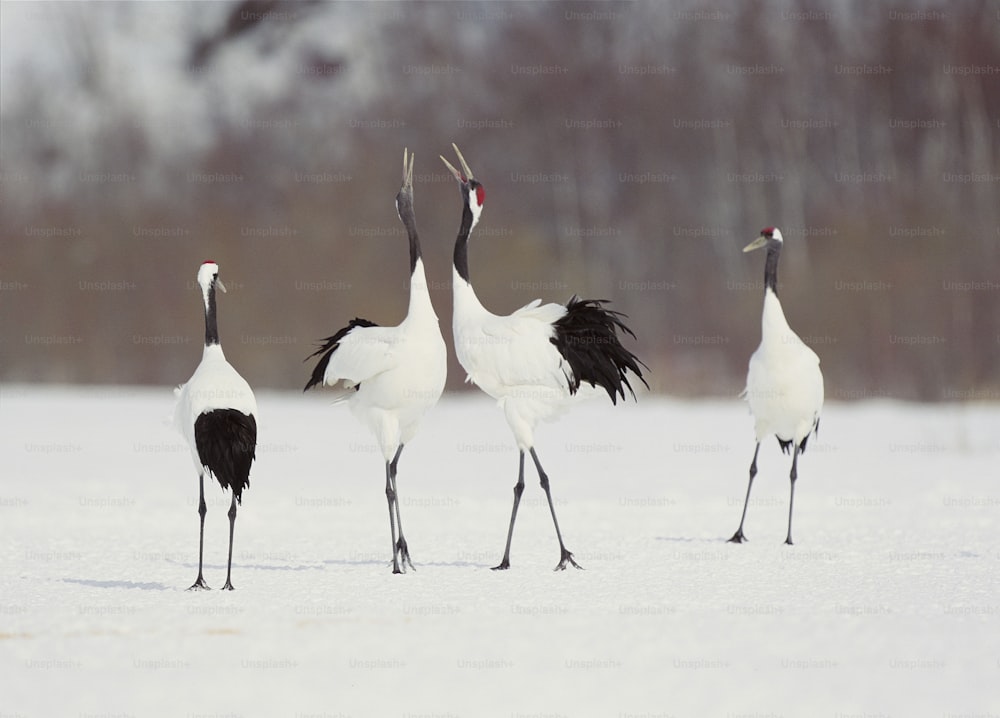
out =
column 226, row 440
column 587, row 338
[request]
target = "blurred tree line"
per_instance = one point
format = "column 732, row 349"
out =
column 628, row 150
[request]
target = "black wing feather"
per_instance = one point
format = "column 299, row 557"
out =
column 587, row 338
column 226, row 440
column 328, row 347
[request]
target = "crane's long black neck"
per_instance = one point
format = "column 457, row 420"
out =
column 410, row 222
column 462, row 242
column 211, row 325
column 771, row 267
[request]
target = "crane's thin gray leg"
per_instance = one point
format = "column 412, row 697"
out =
column 200, row 584
column 518, row 490
column 401, row 547
column 738, row 537
column 565, row 556
column 791, row 500
column 232, row 525
column 390, row 497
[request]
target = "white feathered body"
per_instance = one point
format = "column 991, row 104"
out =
column 784, row 383
column 513, row 359
column 393, row 374
column 215, row 384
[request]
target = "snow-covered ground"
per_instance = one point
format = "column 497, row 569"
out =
column 887, row 605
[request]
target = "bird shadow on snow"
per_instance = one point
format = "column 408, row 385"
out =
column 250, row 566
column 355, row 562
column 417, row 564
column 263, row 567
column 456, row 564
column 688, row 539
column 143, row 586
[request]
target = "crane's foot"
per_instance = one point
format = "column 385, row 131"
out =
column 503, row 565
column 567, row 557
column 738, row 537
column 788, row 541
column 199, row 585
column 404, row 554
column 228, row 586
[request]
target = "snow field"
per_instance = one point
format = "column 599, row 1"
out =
column 887, row 604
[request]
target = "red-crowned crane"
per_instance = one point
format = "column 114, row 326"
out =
column 784, row 382
column 217, row 413
column 390, row 376
column 536, row 361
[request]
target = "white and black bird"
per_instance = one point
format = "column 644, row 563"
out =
column 784, row 382
column 536, row 361
column 217, row 413
column 390, row 376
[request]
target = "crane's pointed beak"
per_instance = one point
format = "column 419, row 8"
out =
column 460, row 176
column 756, row 244
column 407, row 171
column 465, row 165
column 219, row 285
column 455, row 172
